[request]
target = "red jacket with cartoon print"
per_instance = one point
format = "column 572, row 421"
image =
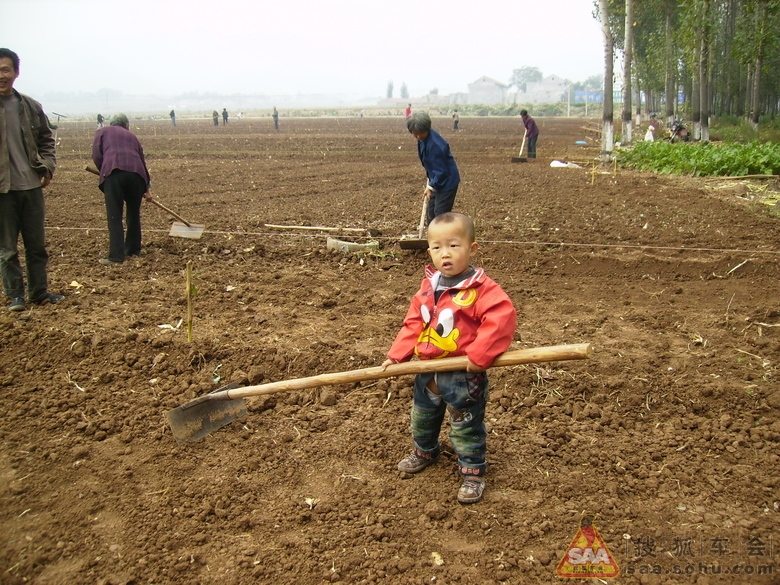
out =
column 475, row 318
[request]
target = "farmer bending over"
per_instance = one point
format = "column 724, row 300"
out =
column 125, row 182
column 439, row 164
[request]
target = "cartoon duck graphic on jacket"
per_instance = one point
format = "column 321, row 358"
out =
column 443, row 335
column 453, row 320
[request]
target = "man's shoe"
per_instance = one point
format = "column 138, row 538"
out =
column 109, row 262
column 471, row 490
column 48, row 298
column 17, row 304
column 417, row 462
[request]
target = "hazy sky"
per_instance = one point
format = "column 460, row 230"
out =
column 166, row 47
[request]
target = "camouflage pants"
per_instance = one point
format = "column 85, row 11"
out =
column 464, row 396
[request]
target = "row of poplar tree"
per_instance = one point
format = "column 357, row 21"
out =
column 708, row 57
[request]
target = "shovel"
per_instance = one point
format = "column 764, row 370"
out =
column 408, row 242
column 520, row 157
column 181, row 228
column 199, row 417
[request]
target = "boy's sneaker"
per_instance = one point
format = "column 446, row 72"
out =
column 471, row 489
column 417, row 461
column 17, row 304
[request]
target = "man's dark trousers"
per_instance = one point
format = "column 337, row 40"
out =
column 22, row 212
column 120, row 188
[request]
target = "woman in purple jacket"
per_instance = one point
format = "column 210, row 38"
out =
column 124, row 179
column 531, row 133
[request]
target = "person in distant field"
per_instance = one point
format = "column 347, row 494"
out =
column 27, row 163
column 275, row 116
column 439, row 165
column 532, row 133
column 173, row 118
column 215, row 117
column 655, row 125
column 224, row 116
column 458, row 311
column 238, row 116
column 125, row 181
column 408, row 111
column 100, row 120
column 455, row 120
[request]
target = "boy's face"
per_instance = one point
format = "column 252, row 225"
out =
column 450, row 248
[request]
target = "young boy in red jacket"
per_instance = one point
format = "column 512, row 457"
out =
column 457, row 311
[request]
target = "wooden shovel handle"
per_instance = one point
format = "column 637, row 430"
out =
column 510, row 358
column 522, row 146
column 172, row 212
column 423, row 217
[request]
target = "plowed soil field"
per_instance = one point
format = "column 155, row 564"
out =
column 669, row 435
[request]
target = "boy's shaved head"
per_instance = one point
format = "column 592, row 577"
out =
column 465, row 221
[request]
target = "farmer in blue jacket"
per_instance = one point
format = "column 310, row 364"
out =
column 439, row 164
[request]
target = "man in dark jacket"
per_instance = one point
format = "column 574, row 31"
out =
column 27, row 162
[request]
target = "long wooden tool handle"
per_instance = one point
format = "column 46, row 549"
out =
column 510, row 358
column 314, row 227
column 423, row 217
column 522, row 146
column 172, row 212
column 94, row 171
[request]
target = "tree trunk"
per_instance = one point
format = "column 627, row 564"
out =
column 704, row 82
column 607, row 130
column 638, row 101
column 730, row 93
column 696, row 93
column 761, row 24
column 671, row 72
column 627, row 57
column 756, row 92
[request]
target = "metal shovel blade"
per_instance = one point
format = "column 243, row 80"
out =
column 181, row 230
column 192, row 421
column 413, row 243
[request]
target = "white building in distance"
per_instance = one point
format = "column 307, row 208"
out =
column 487, row 90
column 549, row 90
